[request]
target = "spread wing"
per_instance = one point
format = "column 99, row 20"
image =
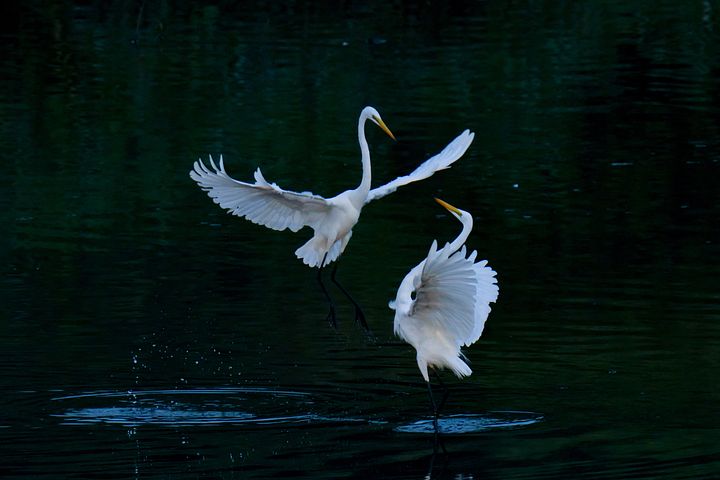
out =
column 486, row 291
column 441, row 161
column 262, row 202
column 445, row 294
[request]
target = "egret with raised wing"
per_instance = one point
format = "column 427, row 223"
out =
column 331, row 219
column 443, row 303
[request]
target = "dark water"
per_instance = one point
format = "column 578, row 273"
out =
column 147, row 334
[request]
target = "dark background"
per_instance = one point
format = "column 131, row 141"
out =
column 146, row 333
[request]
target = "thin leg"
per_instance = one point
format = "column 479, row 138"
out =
column 331, row 314
column 359, row 315
column 446, row 391
column 432, row 403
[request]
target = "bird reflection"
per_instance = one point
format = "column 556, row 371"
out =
column 438, row 446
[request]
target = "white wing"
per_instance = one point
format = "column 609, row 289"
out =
column 441, row 161
column 486, row 291
column 262, row 202
column 446, row 293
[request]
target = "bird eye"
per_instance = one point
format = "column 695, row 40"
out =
column 413, row 295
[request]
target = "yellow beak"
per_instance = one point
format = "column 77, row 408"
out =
column 448, row 206
column 384, row 127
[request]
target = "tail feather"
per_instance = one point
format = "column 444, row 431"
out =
column 459, row 367
column 454, row 363
column 313, row 251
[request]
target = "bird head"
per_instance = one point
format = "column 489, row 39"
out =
column 374, row 116
column 455, row 211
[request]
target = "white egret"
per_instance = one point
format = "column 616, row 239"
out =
column 332, row 219
column 443, row 303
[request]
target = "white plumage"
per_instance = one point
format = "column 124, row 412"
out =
column 441, row 161
column 443, row 303
column 332, row 219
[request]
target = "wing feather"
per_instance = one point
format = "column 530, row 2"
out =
column 453, row 292
column 441, row 161
column 263, row 203
column 486, row 292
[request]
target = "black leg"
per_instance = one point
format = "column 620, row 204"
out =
column 331, row 314
column 436, row 407
column 444, row 388
column 359, row 315
column 432, row 403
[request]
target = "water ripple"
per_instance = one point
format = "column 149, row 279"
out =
column 194, row 407
column 475, row 423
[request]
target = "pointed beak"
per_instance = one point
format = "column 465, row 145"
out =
column 384, row 127
column 449, row 207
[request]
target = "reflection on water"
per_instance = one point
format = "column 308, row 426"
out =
column 263, row 407
column 592, row 177
column 194, row 408
column 177, row 415
column 459, row 424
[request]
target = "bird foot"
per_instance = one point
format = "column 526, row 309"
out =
column 360, row 320
column 331, row 317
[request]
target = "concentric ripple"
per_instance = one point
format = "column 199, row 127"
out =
column 194, row 407
column 475, row 423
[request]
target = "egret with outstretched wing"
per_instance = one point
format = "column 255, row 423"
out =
column 331, row 219
column 443, row 303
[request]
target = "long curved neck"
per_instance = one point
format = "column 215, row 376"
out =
column 365, row 151
column 467, row 222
